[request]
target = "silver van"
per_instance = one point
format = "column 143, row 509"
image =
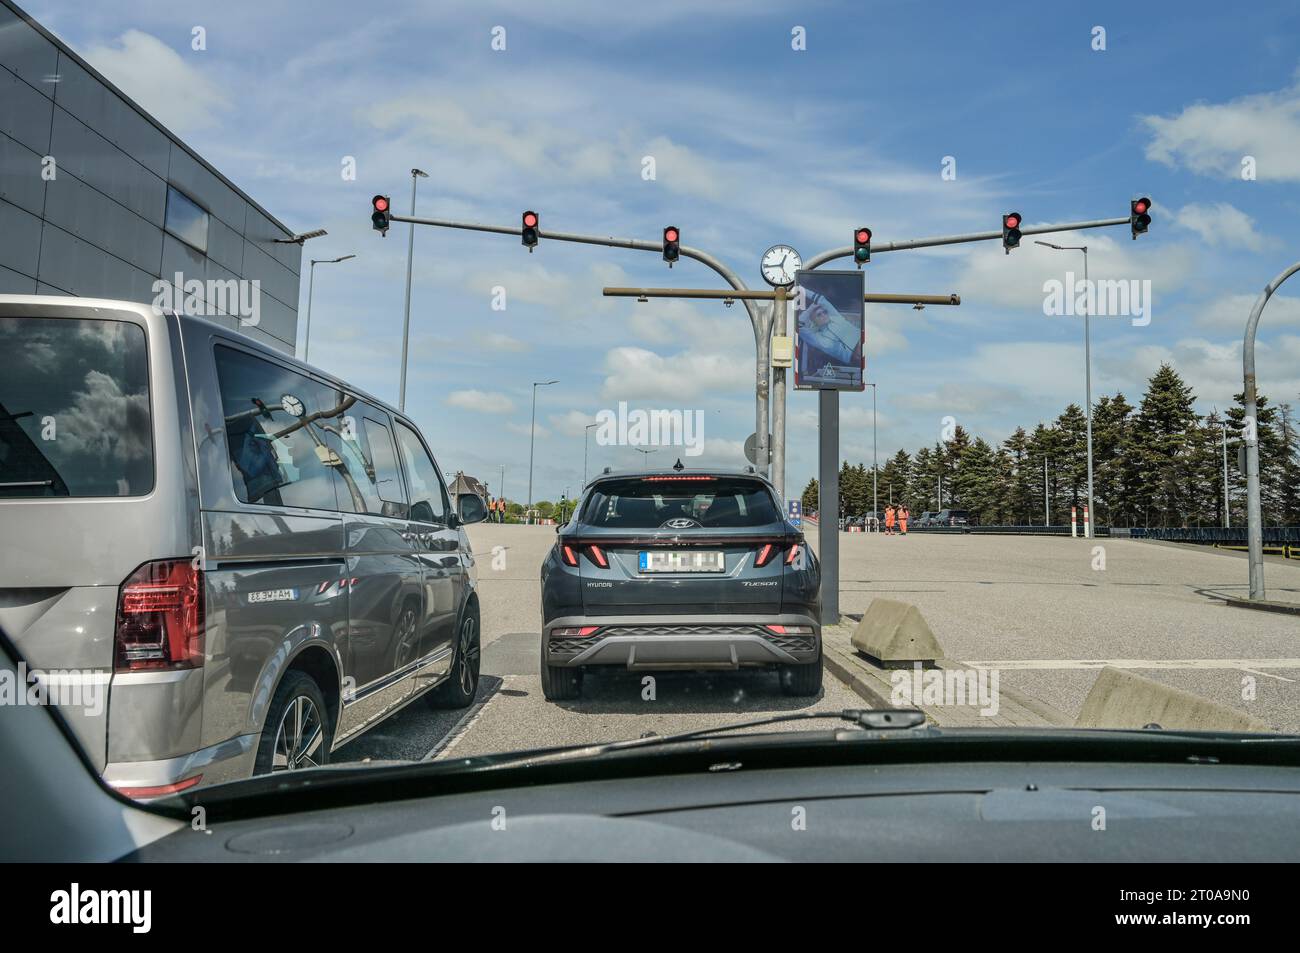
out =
column 219, row 560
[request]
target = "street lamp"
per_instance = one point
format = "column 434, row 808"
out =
column 1087, row 369
column 416, row 175
column 532, row 433
column 585, row 434
column 311, row 285
column 875, row 464
column 1227, row 519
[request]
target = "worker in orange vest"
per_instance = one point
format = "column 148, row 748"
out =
column 889, row 520
column 903, row 515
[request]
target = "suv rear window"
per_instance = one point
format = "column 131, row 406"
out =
column 649, row 503
column 74, row 409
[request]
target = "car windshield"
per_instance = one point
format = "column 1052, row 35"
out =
column 422, row 382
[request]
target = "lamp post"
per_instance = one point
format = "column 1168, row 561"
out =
column 416, row 175
column 532, row 434
column 311, row 286
column 875, row 464
column 585, row 434
column 1087, row 369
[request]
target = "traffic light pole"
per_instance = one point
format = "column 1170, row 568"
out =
column 876, row 248
column 759, row 318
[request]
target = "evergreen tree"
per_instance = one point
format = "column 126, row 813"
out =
column 1160, row 447
column 809, row 497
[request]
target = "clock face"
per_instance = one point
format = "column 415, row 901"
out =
column 779, row 264
column 292, row 405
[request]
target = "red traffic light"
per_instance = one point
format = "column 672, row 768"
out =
column 1141, row 205
column 863, row 235
column 530, row 219
column 1012, row 220
column 381, row 203
column 670, row 234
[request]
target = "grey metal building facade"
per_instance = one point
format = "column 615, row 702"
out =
column 97, row 199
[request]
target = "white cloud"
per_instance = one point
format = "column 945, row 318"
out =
column 990, row 277
column 161, row 81
column 496, row 341
column 487, row 402
column 573, row 424
column 1230, row 312
column 636, row 373
column 1212, row 139
column 1220, row 224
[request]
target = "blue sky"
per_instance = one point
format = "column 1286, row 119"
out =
column 754, row 143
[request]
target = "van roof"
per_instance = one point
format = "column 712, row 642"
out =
column 13, row 305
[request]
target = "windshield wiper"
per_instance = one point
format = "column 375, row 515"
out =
column 879, row 719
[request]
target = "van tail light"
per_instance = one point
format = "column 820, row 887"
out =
column 765, row 554
column 597, row 556
column 792, row 555
column 160, row 618
column 568, row 555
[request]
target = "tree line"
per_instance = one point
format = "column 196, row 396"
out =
column 1158, row 464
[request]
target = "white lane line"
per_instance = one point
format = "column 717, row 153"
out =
column 1268, row 675
column 466, row 722
column 1189, row 663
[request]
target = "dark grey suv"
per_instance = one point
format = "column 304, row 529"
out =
column 677, row 569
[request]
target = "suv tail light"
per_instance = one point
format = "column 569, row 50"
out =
column 792, row 555
column 765, row 554
column 160, row 618
column 597, row 556
column 568, row 555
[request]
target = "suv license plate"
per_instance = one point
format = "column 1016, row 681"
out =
column 666, row 560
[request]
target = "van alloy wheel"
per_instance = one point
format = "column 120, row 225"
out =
column 299, row 737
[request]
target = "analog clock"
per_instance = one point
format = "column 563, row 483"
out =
column 292, row 405
column 779, row 264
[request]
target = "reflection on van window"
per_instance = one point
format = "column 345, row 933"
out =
column 275, row 433
column 371, row 483
column 74, row 408
column 427, row 495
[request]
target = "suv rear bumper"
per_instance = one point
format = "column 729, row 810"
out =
column 677, row 642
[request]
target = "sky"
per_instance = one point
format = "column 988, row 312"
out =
column 754, row 143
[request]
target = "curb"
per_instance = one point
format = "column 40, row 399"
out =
column 1259, row 605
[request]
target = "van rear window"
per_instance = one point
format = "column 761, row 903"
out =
column 74, row 409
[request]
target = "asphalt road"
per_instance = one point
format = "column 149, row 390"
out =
column 1043, row 612
column 1040, row 610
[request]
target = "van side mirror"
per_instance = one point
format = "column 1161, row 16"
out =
column 471, row 508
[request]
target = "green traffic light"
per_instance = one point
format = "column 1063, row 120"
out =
column 863, row 254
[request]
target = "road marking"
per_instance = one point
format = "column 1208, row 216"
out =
column 1034, row 664
column 458, row 730
column 1268, row 675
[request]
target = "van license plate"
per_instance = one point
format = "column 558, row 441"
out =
column 672, row 560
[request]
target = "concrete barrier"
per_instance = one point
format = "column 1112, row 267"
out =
column 894, row 634
column 1121, row 699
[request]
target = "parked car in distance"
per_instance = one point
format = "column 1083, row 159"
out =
column 953, row 518
column 926, row 519
column 680, row 569
column 252, row 560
